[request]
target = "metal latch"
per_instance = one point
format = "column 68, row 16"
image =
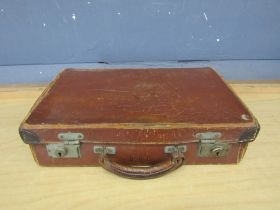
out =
column 68, row 148
column 210, row 146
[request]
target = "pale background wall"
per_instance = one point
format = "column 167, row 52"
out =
column 38, row 38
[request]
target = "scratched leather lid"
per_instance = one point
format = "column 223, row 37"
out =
column 189, row 95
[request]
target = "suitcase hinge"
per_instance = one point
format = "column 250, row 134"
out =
column 210, row 146
column 68, row 148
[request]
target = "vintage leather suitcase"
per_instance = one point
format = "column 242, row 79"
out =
column 138, row 123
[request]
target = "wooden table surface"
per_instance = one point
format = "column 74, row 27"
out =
column 253, row 184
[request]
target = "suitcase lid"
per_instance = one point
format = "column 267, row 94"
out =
column 139, row 98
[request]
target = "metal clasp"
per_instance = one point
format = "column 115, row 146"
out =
column 210, row 146
column 68, row 148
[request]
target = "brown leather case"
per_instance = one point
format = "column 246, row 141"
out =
column 138, row 123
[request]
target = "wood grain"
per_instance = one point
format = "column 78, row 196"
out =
column 253, row 184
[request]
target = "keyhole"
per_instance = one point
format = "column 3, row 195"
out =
column 217, row 151
column 60, row 152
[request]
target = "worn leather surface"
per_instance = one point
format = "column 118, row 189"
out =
column 139, row 112
column 139, row 96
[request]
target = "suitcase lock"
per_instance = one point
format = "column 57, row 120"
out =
column 68, row 148
column 210, row 146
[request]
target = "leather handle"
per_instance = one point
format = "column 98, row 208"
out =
column 142, row 172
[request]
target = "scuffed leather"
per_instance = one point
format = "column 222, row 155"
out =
column 142, row 172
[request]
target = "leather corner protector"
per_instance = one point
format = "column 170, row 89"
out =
column 250, row 134
column 29, row 137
